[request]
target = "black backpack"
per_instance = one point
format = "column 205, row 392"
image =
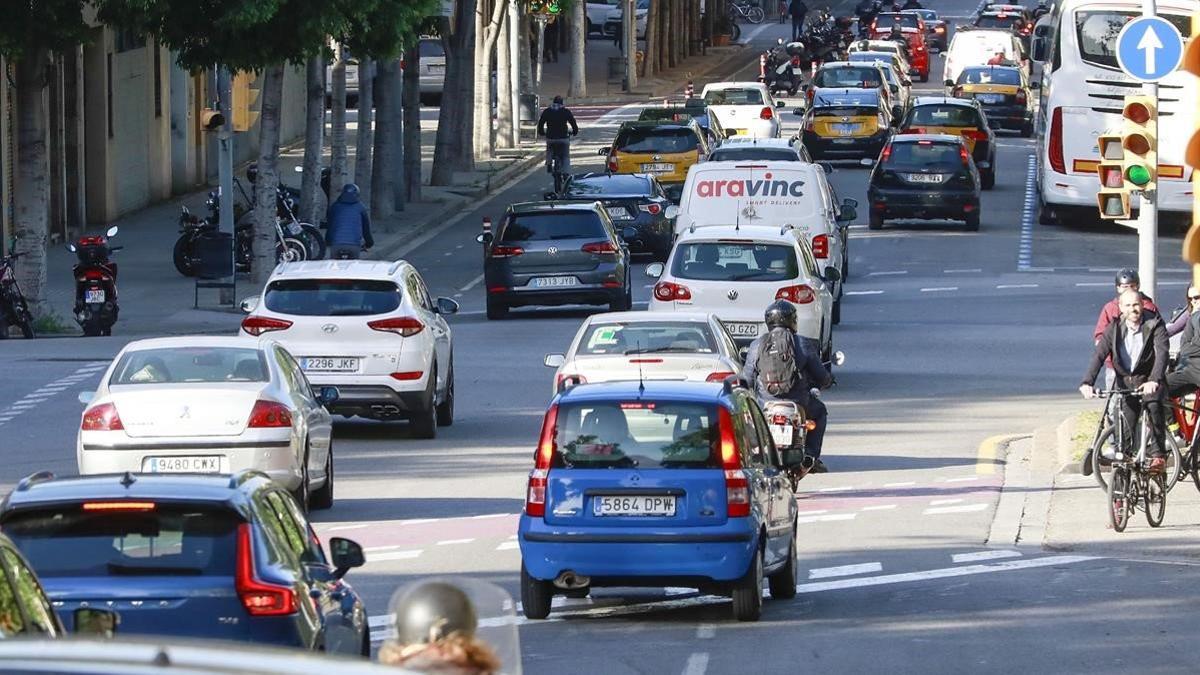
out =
column 777, row 362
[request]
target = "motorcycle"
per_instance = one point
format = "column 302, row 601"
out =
column 789, row 429
column 287, row 201
column 785, row 69
column 290, row 238
column 14, row 311
column 96, row 307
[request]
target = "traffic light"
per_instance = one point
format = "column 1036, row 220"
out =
column 242, row 98
column 1191, row 242
column 1139, row 139
column 211, row 120
column 551, row 7
column 1113, row 197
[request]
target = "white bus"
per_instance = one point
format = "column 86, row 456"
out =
column 1081, row 97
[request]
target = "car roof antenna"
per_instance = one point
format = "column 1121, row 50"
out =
column 641, row 380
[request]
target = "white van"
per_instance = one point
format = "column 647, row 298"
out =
column 977, row 47
column 778, row 194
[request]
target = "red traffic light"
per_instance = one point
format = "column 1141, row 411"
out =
column 1137, row 112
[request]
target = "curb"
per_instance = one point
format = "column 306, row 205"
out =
column 1006, row 522
column 1064, row 448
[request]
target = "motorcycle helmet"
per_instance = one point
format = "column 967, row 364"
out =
column 1127, row 276
column 252, row 173
column 433, row 611
column 781, row 314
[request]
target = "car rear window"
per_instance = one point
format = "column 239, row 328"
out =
column 637, row 434
column 190, row 364
column 644, row 337
column 733, row 97
column 888, row 20
column 989, row 76
column 657, row 141
column 753, row 154
column 734, row 261
column 162, row 540
column 617, row 184
column 432, row 49
column 556, row 225
column 333, row 297
column 944, row 116
column 924, row 154
column 846, row 111
column 848, row 77
column 1007, row 22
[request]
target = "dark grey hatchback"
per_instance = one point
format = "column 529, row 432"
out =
column 550, row 253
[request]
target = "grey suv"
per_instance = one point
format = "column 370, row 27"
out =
column 550, row 253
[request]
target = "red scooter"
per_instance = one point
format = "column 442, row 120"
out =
column 96, row 305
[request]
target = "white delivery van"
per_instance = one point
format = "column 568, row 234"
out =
column 977, row 47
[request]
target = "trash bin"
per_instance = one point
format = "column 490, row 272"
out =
column 215, row 256
column 529, row 108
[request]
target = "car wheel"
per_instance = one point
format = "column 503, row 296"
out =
column 301, row 493
column 924, row 77
column 836, row 314
column 365, row 650
column 323, row 497
column 445, row 409
column 987, row 179
column 783, row 582
column 1027, row 130
column 747, row 592
column 973, row 221
column 424, row 422
column 496, row 310
column 536, row 596
column 876, row 222
column 623, row 303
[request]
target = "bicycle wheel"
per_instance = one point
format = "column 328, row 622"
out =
column 1155, row 498
column 1105, row 447
column 1118, row 499
column 1193, row 464
column 756, row 14
column 1174, row 469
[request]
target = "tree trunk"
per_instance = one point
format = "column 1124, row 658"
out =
column 504, row 74
column 668, row 30
column 395, row 145
column 452, row 150
column 578, row 87
column 337, row 134
column 264, row 243
column 412, row 124
column 650, row 63
column 383, row 204
column 488, row 15
column 664, row 34
column 362, row 138
column 311, row 199
column 31, row 189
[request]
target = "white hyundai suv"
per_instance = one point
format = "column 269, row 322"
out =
column 735, row 272
column 369, row 328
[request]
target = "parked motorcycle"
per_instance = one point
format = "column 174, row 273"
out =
column 14, row 311
column 290, row 238
column 96, row 307
column 287, row 203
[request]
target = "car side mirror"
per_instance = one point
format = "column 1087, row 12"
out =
column 85, row 397
column 1035, row 85
column 327, row 395
column 730, row 133
column 655, row 270
column 445, row 306
column 484, row 238
column 778, row 104
column 112, row 231
column 839, row 358
column 797, row 111
column 742, row 353
column 833, row 274
column 70, row 247
column 827, row 166
column 949, row 83
column 897, row 111
column 346, row 555
column 249, row 304
column 867, row 162
column 603, row 152
column 96, row 622
column 1039, row 50
column 554, row 360
column 629, row 233
column 549, row 196
column 671, row 212
column 795, row 458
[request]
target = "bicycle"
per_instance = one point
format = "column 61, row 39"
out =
column 1132, row 482
column 1188, row 421
column 744, row 10
column 1105, row 443
column 14, row 311
column 557, row 149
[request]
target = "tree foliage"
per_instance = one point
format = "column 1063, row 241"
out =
column 383, row 29
column 29, row 25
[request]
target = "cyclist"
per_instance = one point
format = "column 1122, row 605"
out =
column 1138, row 347
column 1186, row 375
column 349, row 231
column 553, row 124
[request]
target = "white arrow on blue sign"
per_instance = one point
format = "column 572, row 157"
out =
column 1149, row 48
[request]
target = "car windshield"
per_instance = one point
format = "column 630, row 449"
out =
column 1008, row 76
column 657, row 140
column 142, row 539
column 637, row 434
column 172, row 365
column 734, row 261
column 924, row 154
column 553, row 225
column 646, row 337
column 733, row 97
column 1097, row 32
column 332, row 297
column 944, row 116
column 753, row 154
column 884, row 21
column 861, row 76
column 617, row 184
column 1006, row 22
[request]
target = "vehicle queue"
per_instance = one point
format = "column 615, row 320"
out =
column 201, row 457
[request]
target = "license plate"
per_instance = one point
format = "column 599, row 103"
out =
column 923, row 177
column 329, row 364
column 990, row 98
column 554, row 282
column 634, row 505
column 210, row 464
column 742, row 329
column 294, row 228
column 618, row 213
column 658, row 168
column 93, row 295
column 797, row 71
column 782, row 434
column 845, row 129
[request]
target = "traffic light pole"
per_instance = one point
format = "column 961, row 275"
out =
column 1148, row 213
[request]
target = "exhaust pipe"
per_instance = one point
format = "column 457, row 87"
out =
column 388, row 410
column 569, row 581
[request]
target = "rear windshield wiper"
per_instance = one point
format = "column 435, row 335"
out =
column 152, row 570
column 750, row 275
column 659, row 350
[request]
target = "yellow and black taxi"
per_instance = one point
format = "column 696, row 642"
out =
column 957, row 117
column 847, row 124
column 1003, row 92
column 692, row 108
column 665, row 149
column 924, row 176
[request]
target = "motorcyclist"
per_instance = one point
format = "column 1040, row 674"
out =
column 810, row 373
column 553, row 124
column 912, row 4
column 349, row 230
column 435, row 633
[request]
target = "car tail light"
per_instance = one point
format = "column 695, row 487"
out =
column 800, row 294
column 810, row 93
column 1021, row 97
column 102, row 417
column 719, row 376
column 964, row 155
column 766, row 113
column 737, row 488
column 1056, row 142
column 404, row 326
column 810, row 125
column 612, row 164
column 559, row 379
column 535, row 495
column 820, row 246
column 259, row 598
column 600, row 248
column 269, row 415
column 257, row 325
column 652, row 208
column 119, row 506
column 503, row 251
column 887, row 153
column 667, row 291
column 975, row 134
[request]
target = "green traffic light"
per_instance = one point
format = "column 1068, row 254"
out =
column 1138, row 175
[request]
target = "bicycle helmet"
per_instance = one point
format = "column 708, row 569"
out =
column 781, row 314
column 1127, row 276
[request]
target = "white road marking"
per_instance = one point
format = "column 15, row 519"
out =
column 887, row 274
column 395, row 555
column 980, row 556
column 1016, row 285
column 812, row 513
column 828, row 518
column 508, row 546
column 879, row 507
column 472, row 284
column 962, row 508
column 490, row 515
column 864, row 292
column 452, row 542
column 945, row 572
column 339, row 528
column 962, row 479
column 943, row 502
column 970, row 271
column 706, row 631
column 908, row 483
column 418, row 521
column 1025, row 244
column 1173, row 283
column 844, row 570
column 753, row 34
column 836, row 489
column 697, row 663
column 939, row 289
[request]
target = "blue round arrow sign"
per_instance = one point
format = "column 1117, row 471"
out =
column 1149, row 48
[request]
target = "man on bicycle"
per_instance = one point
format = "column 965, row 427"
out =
column 1138, row 346
column 553, row 125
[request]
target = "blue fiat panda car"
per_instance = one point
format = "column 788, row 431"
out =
column 657, row 484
